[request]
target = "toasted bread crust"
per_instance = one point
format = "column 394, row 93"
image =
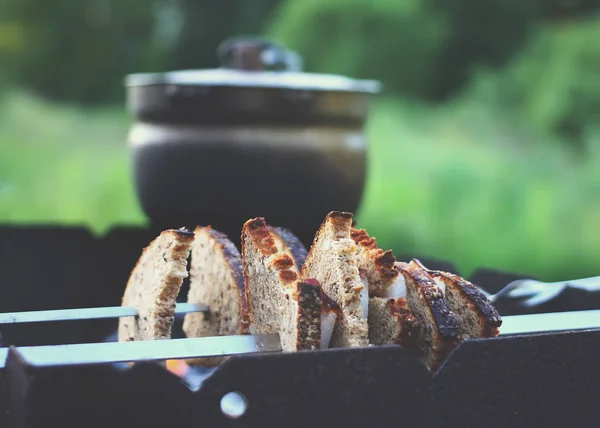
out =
column 258, row 230
column 260, row 234
column 448, row 333
column 489, row 317
column 381, row 273
column 408, row 334
column 234, row 259
column 292, row 242
column 434, row 297
column 340, row 222
column 309, row 315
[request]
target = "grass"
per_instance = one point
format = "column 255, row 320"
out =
column 64, row 164
column 459, row 184
column 454, row 182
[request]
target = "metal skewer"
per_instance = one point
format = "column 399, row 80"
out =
column 149, row 350
column 88, row 313
column 114, row 352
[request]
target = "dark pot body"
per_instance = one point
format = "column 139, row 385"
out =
column 223, row 175
column 254, row 138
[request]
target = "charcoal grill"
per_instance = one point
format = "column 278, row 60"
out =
column 547, row 379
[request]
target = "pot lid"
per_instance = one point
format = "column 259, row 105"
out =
column 259, row 63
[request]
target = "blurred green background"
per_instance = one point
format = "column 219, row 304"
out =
column 485, row 144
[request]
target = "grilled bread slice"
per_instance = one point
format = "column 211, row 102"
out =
column 216, row 279
column 154, row 285
column 475, row 314
column 287, row 242
column 440, row 331
column 332, row 260
column 277, row 301
column 391, row 322
column 390, row 319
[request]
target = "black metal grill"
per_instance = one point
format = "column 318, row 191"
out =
column 534, row 380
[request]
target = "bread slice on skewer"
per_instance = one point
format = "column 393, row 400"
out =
column 154, row 285
column 286, row 241
column 332, row 260
column 476, row 316
column 440, row 331
column 390, row 319
column 217, row 280
column 278, row 302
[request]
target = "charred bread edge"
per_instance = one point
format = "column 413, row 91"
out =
column 449, row 332
column 339, row 219
column 234, row 260
column 296, row 247
column 384, row 260
column 481, row 303
column 308, row 296
column 443, row 316
column 399, row 309
column 261, row 235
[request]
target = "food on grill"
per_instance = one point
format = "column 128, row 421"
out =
column 153, row 287
column 390, row 319
column 344, row 292
column 332, row 260
column 476, row 316
column 287, row 242
column 217, row 280
column 440, row 331
column 278, row 302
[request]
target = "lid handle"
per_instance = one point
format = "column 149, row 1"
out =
column 253, row 53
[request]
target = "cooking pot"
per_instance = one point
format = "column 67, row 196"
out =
column 255, row 137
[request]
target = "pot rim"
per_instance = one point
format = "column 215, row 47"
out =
column 221, row 77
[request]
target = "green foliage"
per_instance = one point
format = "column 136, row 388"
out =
column 553, row 83
column 463, row 183
column 62, row 164
column 418, row 48
column 80, row 50
column 396, row 42
column 208, row 23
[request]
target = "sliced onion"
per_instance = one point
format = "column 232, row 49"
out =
column 364, row 297
column 441, row 284
column 398, row 288
column 328, row 319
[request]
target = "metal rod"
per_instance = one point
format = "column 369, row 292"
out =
column 88, row 313
column 550, row 322
column 114, row 352
column 149, row 350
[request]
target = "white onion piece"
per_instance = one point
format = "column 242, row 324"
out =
column 441, row 284
column 398, row 288
column 364, row 297
column 328, row 319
